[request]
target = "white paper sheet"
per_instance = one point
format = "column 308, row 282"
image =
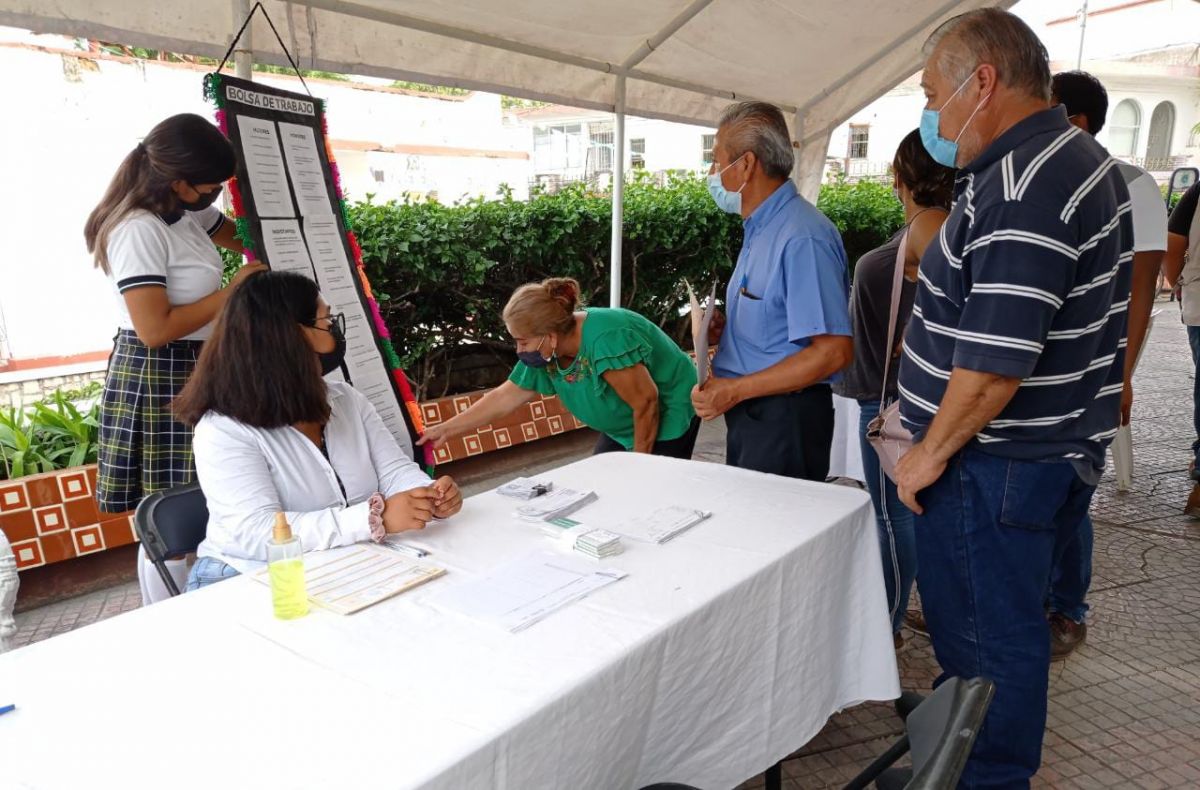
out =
column 660, row 525
column 701, row 319
column 335, row 276
column 518, row 594
column 268, row 179
column 304, row 167
column 286, row 250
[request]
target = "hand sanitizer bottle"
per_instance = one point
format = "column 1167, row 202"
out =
column 285, row 567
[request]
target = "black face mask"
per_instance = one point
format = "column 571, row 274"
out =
column 332, row 360
column 204, row 202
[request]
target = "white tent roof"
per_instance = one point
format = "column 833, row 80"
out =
column 683, row 60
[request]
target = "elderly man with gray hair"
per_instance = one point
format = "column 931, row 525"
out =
column 1012, row 368
column 788, row 327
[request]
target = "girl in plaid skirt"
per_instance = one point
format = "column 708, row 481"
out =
column 153, row 233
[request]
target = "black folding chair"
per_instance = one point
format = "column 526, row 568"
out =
column 171, row 524
column 940, row 733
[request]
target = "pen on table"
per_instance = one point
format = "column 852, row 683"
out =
column 411, row 551
column 7, row 709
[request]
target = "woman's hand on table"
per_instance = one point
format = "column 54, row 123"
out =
column 448, row 498
column 410, row 509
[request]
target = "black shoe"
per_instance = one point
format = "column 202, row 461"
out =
column 1065, row 636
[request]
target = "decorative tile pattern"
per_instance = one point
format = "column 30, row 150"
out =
column 52, row 517
column 538, row 419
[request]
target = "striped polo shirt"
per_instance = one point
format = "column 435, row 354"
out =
column 1029, row 279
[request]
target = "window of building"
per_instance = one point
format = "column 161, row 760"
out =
column 637, row 152
column 859, row 138
column 707, row 141
column 558, row 146
column 1124, row 126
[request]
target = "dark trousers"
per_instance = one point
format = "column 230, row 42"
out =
column 986, row 544
column 671, row 448
column 787, row 435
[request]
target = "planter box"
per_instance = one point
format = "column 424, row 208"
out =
column 538, row 419
column 52, row 517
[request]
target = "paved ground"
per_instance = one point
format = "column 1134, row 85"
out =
column 1124, row 710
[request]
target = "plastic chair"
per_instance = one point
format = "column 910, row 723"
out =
column 940, row 733
column 171, row 524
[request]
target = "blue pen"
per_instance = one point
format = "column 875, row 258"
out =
column 7, row 709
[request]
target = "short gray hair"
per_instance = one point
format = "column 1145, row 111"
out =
column 759, row 127
column 998, row 38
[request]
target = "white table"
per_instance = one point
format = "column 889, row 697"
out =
column 721, row 652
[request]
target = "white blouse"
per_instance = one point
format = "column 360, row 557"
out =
column 249, row 474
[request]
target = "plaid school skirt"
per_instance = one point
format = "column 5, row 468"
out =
column 142, row 448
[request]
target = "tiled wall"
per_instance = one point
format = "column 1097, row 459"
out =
column 52, row 517
column 535, row 420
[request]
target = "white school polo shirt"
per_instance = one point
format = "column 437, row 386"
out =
column 149, row 250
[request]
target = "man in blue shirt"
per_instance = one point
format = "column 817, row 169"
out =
column 788, row 328
column 1012, row 369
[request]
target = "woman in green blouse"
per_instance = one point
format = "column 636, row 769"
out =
column 614, row 370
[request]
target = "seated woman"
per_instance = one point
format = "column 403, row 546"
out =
column 273, row 436
column 613, row 369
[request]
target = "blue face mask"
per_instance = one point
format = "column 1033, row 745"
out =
column 534, row 358
column 943, row 151
column 725, row 200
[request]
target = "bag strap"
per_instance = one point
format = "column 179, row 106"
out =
column 893, row 314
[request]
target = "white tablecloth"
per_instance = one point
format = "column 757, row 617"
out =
column 845, row 456
column 721, row 652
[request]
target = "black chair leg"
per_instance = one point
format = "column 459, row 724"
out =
column 773, row 778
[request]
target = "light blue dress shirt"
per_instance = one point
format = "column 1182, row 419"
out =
column 790, row 284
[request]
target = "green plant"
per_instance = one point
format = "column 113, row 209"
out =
column 866, row 213
column 55, row 433
column 442, row 274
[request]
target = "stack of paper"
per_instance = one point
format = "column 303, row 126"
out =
column 599, row 544
column 524, row 488
column 518, row 594
column 661, row 525
column 355, row 577
column 556, row 504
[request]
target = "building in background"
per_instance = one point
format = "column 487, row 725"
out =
column 79, row 111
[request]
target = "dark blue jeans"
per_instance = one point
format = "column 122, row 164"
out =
column 1194, row 342
column 1072, row 575
column 986, row 543
column 893, row 523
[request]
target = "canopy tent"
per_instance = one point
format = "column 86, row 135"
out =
column 819, row 60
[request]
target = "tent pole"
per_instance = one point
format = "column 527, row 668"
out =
column 243, row 54
column 618, row 197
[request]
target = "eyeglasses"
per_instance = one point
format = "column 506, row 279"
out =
column 335, row 320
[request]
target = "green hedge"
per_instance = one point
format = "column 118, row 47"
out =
column 442, row 274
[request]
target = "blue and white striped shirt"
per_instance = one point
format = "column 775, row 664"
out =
column 1029, row 279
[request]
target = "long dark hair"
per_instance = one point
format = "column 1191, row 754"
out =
column 183, row 147
column 931, row 184
column 257, row 367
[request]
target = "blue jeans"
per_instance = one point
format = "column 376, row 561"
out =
column 893, row 523
column 1194, row 342
column 208, row 570
column 1072, row 575
column 987, row 540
